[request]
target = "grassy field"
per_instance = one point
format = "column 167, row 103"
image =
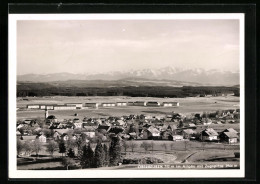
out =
column 187, row 105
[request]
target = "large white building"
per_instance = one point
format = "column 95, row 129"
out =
column 121, row 103
column 64, row 107
column 78, row 105
column 33, row 106
column 108, row 104
column 171, row 104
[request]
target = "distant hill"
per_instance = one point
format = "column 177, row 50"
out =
column 164, row 76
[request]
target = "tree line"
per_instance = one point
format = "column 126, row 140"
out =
column 141, row 91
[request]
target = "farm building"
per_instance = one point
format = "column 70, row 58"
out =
column 209, row 134
column 33, row 106
column 229, row 137
column 171, row 104
column 64, row 107
column 140, row 103
column 121, row 103
column 108, row 104
column 153, row 104
column 91, row 105
column 78, row 105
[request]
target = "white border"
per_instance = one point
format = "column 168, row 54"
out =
column 14, row 173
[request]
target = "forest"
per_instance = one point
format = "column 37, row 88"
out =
column 38, row 89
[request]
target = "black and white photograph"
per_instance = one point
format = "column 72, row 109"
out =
column 126, row 95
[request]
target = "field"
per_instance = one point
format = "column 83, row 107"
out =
column 173, row 153
column 187, row 105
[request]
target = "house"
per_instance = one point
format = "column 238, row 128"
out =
column 177, row 137
column 42, row 138
column 92, row 105
column 230, row 137
column 209, row 134
column 104, row 127
column 78, row 105
column 153, row 104
column 108, row 104
column 132, row 135
column 151, row 133
column 189, row 134
column 121, row 103
column 33, row 106
column 78, row 125
column 167, row 135
column 170, row 104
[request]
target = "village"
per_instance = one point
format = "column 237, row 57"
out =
column 220, row 128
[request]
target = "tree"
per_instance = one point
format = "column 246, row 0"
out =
column 99, row 155
column 180, row 125
column 145, row 145
column 19, row 147
column 86, row 157
column 68, row 162
column 132, row 145
column 28, row 148
column 62, row 148
column 172, row 145
column 125, row 145
column 164, row 145
column 106, row 155
column 51, row 147
column 71, row 153
column 37, row 146
column 115, row 152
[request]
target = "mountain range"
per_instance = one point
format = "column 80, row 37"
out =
column 196, row 76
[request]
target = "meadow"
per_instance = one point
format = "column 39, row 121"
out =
column 187, row 105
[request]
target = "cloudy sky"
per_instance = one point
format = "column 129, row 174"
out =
column 114, row 45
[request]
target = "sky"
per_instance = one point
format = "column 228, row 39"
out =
column 98, row 46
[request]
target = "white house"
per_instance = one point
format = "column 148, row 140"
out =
column 64, row 107
column 171, row 104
